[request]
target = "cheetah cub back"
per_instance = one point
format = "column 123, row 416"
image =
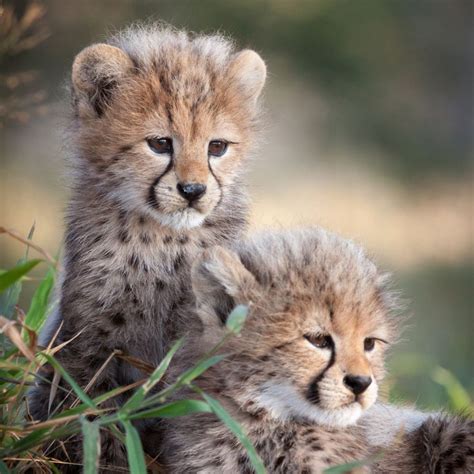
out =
column 307, row 364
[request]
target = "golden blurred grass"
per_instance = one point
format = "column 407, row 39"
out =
column 402, row 227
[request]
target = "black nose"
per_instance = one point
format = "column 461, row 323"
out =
column 357, row 383
column 191, row 191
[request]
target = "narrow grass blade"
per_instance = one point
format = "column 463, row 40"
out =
column 459, row 398
column 37, row 313
column 35, row 438
column 342, row 468
column 97, row 400
column 11, row 276
column 350, row 466
column 137, row 398
column 135, row 454
column 77, row 390
column 91, row 446
column 38, row 437
column 9, row 298
column 237, row 318
column 173, row 409
column 198, row 369
column 53, row 389
column 185, row 379
column 233, row 426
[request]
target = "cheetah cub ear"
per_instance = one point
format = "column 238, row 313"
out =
column 96, row 71
column 249, row 72
column 220, row 282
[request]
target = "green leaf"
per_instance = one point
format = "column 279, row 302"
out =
column 3, row 468
column 9, row 298
column 13, row 275
column 342, row 468
column 77, row 410
column 186, row 378
column 53, row 467
column 83, row 407
column 35, row 438
column 39, row 437
column 135, row 454
column 137, row 398
column 37, row 313
column 459, row 398
column 77, row 390
column 237, row 318
column 91, row 446
column 29, row 237
column 348, row 467
column 198, row 369
column 233, row 426
column 174, row 409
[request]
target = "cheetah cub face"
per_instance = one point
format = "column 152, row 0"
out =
column 313, row 345
column 165, row 124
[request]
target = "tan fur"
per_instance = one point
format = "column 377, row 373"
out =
column 131, row 237
column 297, row 284
column 289, row 395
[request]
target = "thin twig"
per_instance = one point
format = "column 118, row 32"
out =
column 29, row 243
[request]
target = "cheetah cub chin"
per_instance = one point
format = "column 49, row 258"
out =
column 306, row 365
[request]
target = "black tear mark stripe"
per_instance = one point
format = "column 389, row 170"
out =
column 313, row 390
column 151, row 192
column 219, row 184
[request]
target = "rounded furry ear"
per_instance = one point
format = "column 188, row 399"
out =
column 96, row 71
column 249, row 71
column 220, row 282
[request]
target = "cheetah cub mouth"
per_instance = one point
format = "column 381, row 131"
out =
column 312, row 347
column 343, row 385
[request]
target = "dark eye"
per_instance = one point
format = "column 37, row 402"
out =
column 369, row 343
column 161, row 145
column 319, row 340
column 217, row 147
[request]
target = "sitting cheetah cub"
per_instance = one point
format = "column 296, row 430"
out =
column 163, row 122
column 306, row 366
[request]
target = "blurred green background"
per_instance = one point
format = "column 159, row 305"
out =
column 369, row 132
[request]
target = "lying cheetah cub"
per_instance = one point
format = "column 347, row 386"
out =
column 307, row 365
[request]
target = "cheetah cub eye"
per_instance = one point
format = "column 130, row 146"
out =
column 161, row 145
column 321, row 341
column 217, row 148
column 369, row 343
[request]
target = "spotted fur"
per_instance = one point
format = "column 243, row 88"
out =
column 288, row 395
column 130, row 236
